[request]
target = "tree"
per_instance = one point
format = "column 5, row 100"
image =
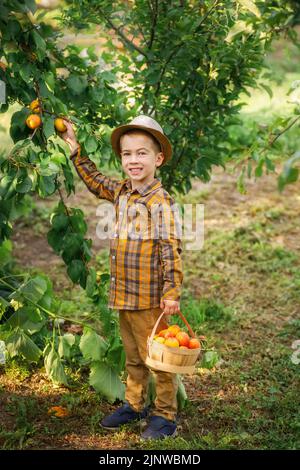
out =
column 185, row 63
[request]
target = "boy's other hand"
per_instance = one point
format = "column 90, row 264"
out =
column 69, row 136
column 170, row 307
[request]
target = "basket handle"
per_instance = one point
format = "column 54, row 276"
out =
column 183, row 319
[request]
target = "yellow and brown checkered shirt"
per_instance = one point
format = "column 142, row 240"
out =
column 144, row 269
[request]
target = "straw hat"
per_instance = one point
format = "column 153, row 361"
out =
column 148, row 124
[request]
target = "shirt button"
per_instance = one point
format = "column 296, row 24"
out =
column 113, row 257
column 113, row 278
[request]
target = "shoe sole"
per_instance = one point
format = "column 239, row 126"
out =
column 162, row 437
column 110, row 429
column 117, row 428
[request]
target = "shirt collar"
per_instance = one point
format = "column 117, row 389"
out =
column 145, row 188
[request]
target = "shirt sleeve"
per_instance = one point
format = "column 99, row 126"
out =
column 100, row 185
column 170, row 248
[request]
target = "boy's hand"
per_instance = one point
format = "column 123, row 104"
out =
column 69, row 136
column 170, row 307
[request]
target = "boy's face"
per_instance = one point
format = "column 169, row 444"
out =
column 139, row 158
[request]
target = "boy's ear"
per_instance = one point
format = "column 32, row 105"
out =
column 162, row 160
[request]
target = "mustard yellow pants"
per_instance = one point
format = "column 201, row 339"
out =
column 135, row 327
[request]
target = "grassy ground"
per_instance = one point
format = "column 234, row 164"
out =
column 245, row 282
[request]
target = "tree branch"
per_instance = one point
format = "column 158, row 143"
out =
column 271, row 142
column 154, row 11
column 118, row 30
column 177, row 48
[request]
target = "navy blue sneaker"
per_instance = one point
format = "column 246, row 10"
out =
column 159, row 428
column 123, row 415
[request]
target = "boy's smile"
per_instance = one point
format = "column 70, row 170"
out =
column 140, row 157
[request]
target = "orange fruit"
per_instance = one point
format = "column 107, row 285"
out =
column 172, row 342
column 168, row 334
column 194, row 344
column 183, row 338
column 33, row 121
column 35, row 106
column 60, row 125
column 163, row 332
column 160, row 339
column 174, row 329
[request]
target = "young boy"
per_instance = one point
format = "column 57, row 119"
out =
column 146, row 272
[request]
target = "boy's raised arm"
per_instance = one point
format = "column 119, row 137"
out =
column 100, row 185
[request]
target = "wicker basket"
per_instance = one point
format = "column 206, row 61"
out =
column 167, row 359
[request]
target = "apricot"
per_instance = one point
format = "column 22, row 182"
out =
column 174, row 329
column 35, row 106
column 160, row 339
column 60, row 125
column 183, row 338
column 171, row 342
column 163, row 332
column 194, row 344
column 33, row 121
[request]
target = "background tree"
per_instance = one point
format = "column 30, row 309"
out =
column 186, row 64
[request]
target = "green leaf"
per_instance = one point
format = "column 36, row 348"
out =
column 91, row 284
column 182, row 398
column 116, row 354
column 65, row 344
column 50, row 80
column 250, row 6
column 59, row 221
column 209, row 360
column 5, row 253
column 77, row 84
column 19, row 343
column 289, row 175
column 75, row 270
column 28, row 318
column 92, row 346
column 46, row 185
column 58, row 158
column 32, row 290
column 55, row 240
column 26, row 72
column 53, row 366
column 268, row 89
column 24, row 184
column 7, row 186
column 106, row 382
column 91, row 144
column 39, row 41
column 48, row 126
column 72, row 247
column 31, row 5
column 239, row 27
column 241, row 183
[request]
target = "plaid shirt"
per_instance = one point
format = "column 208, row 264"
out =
column 144, row 269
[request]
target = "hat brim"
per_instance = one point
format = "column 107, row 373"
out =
column 166, row 146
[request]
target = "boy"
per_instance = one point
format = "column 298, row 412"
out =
column 146, row 272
